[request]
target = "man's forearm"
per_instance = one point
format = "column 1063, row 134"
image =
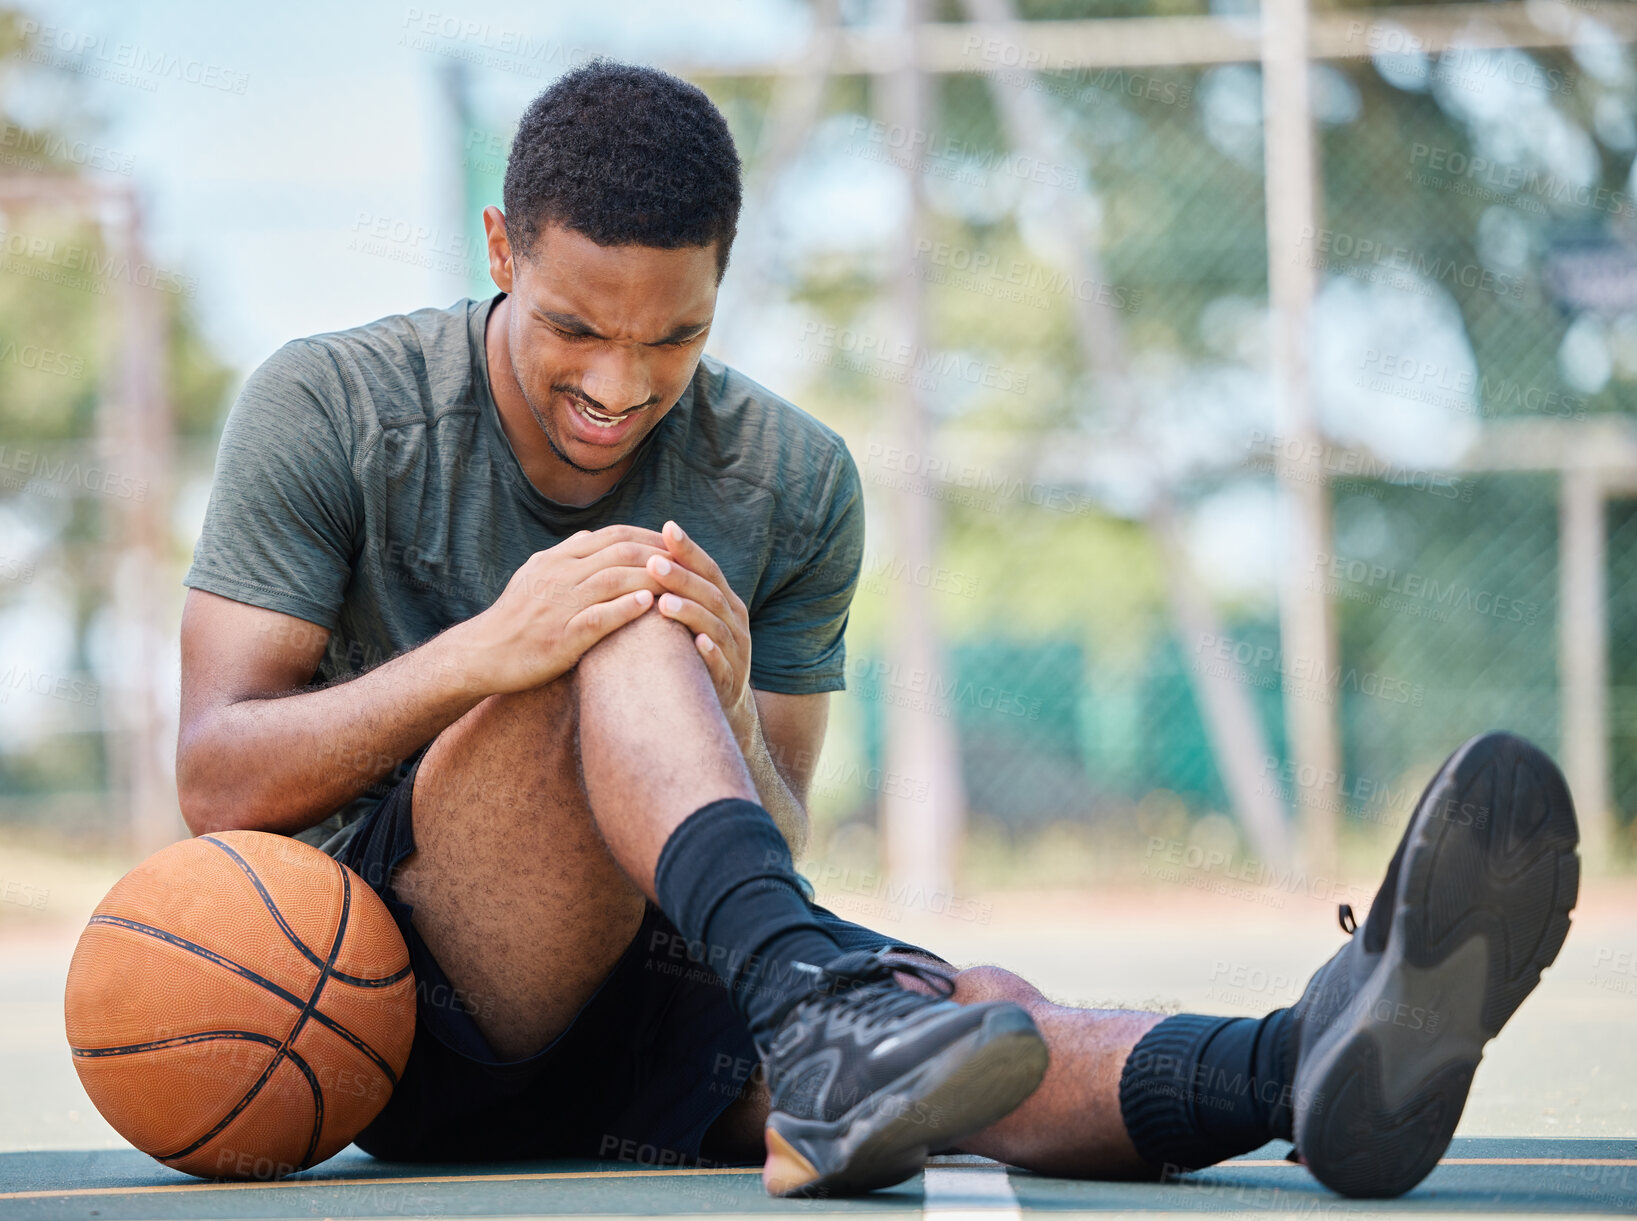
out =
column 283, row 763
column 789, row 814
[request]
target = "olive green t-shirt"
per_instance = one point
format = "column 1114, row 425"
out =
column 364, row 484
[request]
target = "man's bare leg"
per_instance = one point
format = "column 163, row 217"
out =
column 523, row 904
column 654, row 745
column 514, row 891
column 1069, row 1126
column 514, row 888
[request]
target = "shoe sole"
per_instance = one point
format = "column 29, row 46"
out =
column 886, row 1139
column 1485, row 890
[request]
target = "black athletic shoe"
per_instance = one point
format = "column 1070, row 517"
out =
column 867, row 1077
column 1475, row 905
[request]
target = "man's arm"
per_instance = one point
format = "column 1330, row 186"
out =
column 257, row 752
column 782, row 755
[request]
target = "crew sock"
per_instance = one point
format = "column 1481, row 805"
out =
column 726, row 880
column 1197, row 1089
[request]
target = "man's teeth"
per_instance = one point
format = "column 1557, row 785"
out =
column 597, row 417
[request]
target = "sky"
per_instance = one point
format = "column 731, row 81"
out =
column 273, row 142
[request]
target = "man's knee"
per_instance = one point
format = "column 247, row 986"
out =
column 647, row 637
column 973, row 985
column 989, row 983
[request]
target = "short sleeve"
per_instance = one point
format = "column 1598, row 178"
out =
column 798, row 635
column 284, row 507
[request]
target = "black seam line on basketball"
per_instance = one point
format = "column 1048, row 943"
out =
column 249, row 1095
column 194, row 947
column 312, row 1003
column 357, row 981
column 267, row 901
column 318, row 1106
column 181, row 1040
column 284, row 1048
column 381, row 981
column 182, row 943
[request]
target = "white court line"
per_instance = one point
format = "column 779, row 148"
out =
column 969, row 1194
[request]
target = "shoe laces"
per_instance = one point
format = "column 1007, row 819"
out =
column 862, row 983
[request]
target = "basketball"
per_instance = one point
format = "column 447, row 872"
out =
column 240, row 1006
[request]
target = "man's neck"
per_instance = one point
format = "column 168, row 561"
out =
column 551, row 476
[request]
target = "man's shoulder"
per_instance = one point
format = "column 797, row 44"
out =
column 759, row 434
column 402, row 365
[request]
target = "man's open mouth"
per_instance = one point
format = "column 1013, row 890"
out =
column 598, row 418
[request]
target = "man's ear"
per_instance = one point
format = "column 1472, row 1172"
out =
column 500, row 248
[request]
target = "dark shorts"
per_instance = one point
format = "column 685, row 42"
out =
column 643, row 1070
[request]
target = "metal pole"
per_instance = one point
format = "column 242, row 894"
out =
column 796, row 107
column 1583, row 635
column 1221, row 689
column 1306, row 632
column 921, row 839
column 136, row 423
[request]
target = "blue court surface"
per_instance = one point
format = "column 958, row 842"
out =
column 1479, row 1176
column 1550, row 1127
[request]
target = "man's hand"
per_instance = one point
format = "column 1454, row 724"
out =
column 698, row 596
column 560, row 603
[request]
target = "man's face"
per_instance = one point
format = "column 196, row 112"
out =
column 604, row 339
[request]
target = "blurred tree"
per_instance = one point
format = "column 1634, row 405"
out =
column 58, row 339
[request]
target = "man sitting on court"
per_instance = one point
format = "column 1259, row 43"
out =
column 528, row 611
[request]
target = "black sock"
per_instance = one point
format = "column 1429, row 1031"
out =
column 726, row 880
column 1196, row 1090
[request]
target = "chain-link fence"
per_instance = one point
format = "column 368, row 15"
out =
column 1101, row 460
column 1457, row 192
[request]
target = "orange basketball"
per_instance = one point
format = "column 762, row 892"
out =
column 240, row 1005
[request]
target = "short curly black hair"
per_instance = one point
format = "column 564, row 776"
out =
column 625, row 155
